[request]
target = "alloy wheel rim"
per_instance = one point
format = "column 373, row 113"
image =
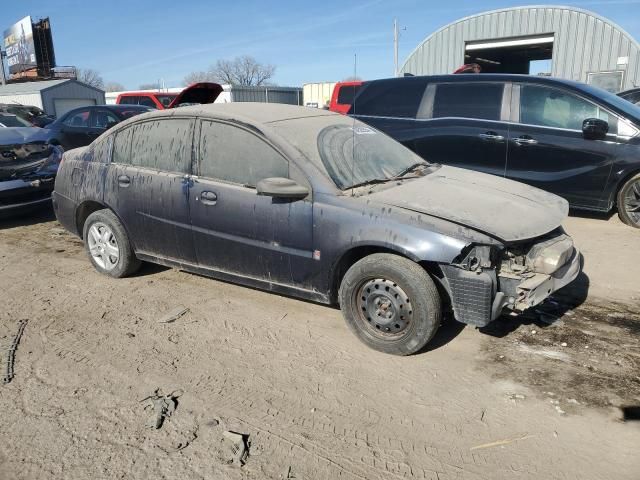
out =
column 632, row 202
column 103, row 246
column 384, row 308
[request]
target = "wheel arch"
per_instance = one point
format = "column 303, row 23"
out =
column 621, row 183
column 89, row 206
column 356, row 253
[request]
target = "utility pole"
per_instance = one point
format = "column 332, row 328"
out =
column 3, row 77
column 395, row 47
column 396, row 40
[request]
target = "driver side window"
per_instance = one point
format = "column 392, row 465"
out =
column 549, row 107
column 233, row 154
column 78, row 119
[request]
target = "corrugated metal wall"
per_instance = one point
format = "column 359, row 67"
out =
column 288, row 95
column 583, row 42
column 69, row 90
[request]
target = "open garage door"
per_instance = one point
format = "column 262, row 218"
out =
column 63, row 105
column 510, row 55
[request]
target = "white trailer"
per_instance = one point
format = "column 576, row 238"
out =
column 317, row 95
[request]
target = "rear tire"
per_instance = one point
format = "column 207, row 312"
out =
column 108, row 246
column 390, row 303
column 629, row 202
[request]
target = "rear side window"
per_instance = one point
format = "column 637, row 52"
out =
column 233, row 154
column 390, row 98
column 468, row 100
column 163, row 145
column 130, row 100
column 122, row 147
column 147, row 102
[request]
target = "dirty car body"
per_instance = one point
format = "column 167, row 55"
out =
column 27, row 171
column 214, row 200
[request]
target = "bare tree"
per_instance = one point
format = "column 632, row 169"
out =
column 150, row 86
column 90, row 77
column 244, row 70
column 196, row 77
column 114, row 87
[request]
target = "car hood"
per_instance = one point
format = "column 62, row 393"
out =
column 507, row 210
column 22, row 153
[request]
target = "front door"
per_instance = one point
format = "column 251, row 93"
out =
column 463, row 126
column 149, row 186
column 237, row 231
column 548, row 150
column 75, row 129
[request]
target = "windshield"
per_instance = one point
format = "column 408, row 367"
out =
column 13, row 121
column 357, row 154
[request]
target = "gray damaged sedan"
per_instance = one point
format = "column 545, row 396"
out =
column 318, row 206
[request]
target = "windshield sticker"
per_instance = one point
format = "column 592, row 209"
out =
column 363, row 131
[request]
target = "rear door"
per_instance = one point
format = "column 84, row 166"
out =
column 464, row 125
column 149, row 186
column 237, row 231
column 548, row 150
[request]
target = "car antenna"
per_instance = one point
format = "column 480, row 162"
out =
column 353, row 127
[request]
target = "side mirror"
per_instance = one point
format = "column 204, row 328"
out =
column 281, row 188
column 594, row 129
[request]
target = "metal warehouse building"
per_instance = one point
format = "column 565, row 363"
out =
column 581, row 46
column 55, row 97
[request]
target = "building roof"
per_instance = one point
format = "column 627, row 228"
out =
column 23, row 88
column 29, row 87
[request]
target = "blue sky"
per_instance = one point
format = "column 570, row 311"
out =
column 141, row 41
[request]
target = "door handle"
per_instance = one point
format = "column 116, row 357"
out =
column 208, row 198
column 525, row 141
column 124, row 181
column 493, row 136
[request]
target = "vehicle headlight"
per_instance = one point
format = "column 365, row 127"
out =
column 547, row 257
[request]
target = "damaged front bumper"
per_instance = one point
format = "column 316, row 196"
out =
column 486, row 283
column 20, row 195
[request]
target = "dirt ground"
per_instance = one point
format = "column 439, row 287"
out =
column 538, row 396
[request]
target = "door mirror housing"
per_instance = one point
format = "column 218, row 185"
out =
column 278, row 187
column 594, row 129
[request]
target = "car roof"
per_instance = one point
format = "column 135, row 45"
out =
column 247, row 112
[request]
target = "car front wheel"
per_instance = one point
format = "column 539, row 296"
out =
column 390, row 303
column 629, row 202
column 108, row 246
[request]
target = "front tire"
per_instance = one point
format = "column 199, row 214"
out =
column 629, row 202
column 390, row 303
column 108, row 246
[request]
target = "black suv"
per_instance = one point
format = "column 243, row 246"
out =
column 568, row 138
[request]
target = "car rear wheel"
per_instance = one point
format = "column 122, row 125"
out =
column 629, row 202
column 108, row 246
column 390, row 303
